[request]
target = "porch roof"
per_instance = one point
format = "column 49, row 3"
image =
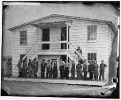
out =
column 50, row 24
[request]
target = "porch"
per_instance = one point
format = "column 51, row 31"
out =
column 60, row 81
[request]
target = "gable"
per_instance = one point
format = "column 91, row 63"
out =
column 61, row 18
column 52, row 19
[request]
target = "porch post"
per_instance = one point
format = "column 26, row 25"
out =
column 67, row 40
column 37, row 44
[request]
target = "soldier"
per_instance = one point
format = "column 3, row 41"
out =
column 73, row 70
column 85, row 69
column 102, row 70
column 48, row 69
column 66, row 69
column 24, row 68
column 95, row 70
column 19, row 68
column 52, row 68
column 62, row 64
column 29, row 68
column 43, row 65
column 78, row 69
column 90, row 70
column 35, row 67
column 9, row 67
column 55, row 71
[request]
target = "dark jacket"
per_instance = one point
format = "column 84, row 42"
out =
column 91, row 68
column 102, row 67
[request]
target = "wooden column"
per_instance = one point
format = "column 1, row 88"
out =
column 67, row 40
column 37, row 45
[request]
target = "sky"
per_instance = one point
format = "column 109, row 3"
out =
column 19, row 14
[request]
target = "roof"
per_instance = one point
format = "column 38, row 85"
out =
column 64, row 16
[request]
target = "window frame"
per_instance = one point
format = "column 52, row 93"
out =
column 89, row 33
column 93, row 56
column 23, row 56
column 23, row 37
column 44, row 33
column 45, row 48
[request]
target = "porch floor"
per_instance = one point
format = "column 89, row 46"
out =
column 61, row 81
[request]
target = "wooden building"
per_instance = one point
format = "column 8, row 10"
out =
column 58, row 36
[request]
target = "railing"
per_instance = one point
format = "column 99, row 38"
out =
column 76, row 50
column 29, row 50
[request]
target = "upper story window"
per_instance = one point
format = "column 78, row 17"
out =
column 45, row 34
column 23, row 37
column 45, row 37
column 92, row 32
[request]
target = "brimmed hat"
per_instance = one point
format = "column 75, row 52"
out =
column 43, row 60
column 9, row 58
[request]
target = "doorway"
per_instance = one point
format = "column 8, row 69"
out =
column 64, row 57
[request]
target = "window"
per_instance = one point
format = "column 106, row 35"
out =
column 23, row 37
column 45, row 37
column 63, row 37
column 92, row 32
column 21, row 56
column 92, row 57
column 63, row 46
column 45, row 46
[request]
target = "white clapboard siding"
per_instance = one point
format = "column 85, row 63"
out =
column 22, row 49
column 78, row 37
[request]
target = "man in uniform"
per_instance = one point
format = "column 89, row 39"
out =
column 43, row 65
column 66, row 69
column 85, row 69
column 78, row 68
column 90, row 70
column 102, row 70
column 73, row 70
column 48, row 69
column 29, row 68
column 55, row 71
column 19, row 68
column 25, row 68
column 52, row 68
column 62, row 65
column 35, row 67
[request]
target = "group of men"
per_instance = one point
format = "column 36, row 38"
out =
column 95, row 71
column 28, row 69
column 52, row 68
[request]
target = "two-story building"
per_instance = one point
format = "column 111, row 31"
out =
column 58, row 36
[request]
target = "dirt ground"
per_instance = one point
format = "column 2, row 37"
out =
column 44, row 89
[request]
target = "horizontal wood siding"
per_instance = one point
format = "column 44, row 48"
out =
column 55, row 35
column 78, row 37
column 23, row 49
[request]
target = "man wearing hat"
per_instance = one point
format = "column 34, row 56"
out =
column 85, row 69
column 102, row 70
column 9, row 67
column 43, row 65
column 19, row 68
column 52, row 68
column 55, row 71
column 35, row 67
column 48, row 69
column 24, row 68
